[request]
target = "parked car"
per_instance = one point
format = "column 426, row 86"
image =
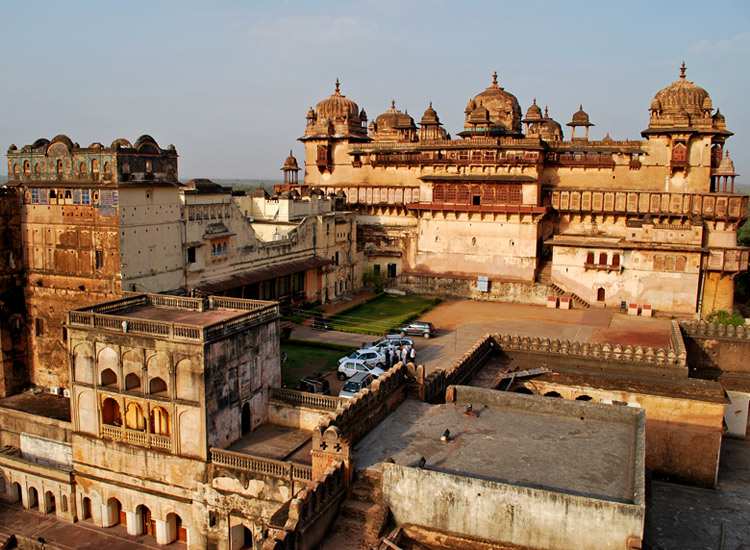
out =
column 314, row 384
column 356, row 383
column 373, row 355
column 395, row 339
column 350, row 367
column 418, row 328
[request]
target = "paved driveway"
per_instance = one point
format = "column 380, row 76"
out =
column 461, row 323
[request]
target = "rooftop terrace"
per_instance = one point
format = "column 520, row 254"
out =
column 175, row 317
column 582, row 450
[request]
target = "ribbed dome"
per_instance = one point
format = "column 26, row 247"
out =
column 430, row 116
column 726, row 167
column 580, row 118
column 683, row 94
column 337, row 106
column 388, row 119
column 534, row 113
column 502, row 107
column 290, row 163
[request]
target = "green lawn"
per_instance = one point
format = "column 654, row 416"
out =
column 306, row 360
column 381, row 315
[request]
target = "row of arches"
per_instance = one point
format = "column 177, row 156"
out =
column 139, row 522
column 135, row 419
column 92, row 167
column 36, row 498
column 156, row 385
column 132, row 371
column 527, row 391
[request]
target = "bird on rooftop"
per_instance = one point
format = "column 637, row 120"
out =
column 446, row 435
column 421, row 463
column 469, row 408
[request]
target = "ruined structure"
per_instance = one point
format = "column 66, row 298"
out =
column 83, row 224
column 650, row 222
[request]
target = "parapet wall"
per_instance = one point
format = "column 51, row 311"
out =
column 719, row 352
column 305, row 520
column 505, row 513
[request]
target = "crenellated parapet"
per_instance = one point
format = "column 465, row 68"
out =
column 702, row 329
column 300, row 523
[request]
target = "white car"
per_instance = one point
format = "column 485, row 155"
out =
column 350, row 367
column 373, row 355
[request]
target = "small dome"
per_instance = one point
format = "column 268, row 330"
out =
column 726, row 167
column 534, row 113
column 502, row 107
column 430, row 117
column 310, row 113
column 62, row 138
column 718, row 116
column 337, row 106
column 580, row 118
column 389, row 119
column 480, row 115
column 470, row 106
column 290, row 163
column 122, row 142
column 41, row 142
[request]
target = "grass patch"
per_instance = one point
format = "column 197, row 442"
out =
column 306, row 358
column 381, row 314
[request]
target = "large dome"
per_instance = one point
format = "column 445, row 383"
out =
column 503, row 108
column 337, row 106
column 682, row 94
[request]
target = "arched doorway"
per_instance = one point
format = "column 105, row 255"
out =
column 86, row 508
column 245, row 420
column 600, row 294
column 15, row 492
column 240, row 537
column 49, row 503
column 176, row 532
column 115, row 514
column 146, row 520
column 552, row 394
column 33, row 502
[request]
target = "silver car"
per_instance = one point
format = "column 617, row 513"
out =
column 356, row 384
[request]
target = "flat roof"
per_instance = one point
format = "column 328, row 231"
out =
column 277, row 442
column 589, row 455
column 181, row 316
column 41, row 404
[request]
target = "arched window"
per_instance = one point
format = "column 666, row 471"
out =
column 157, row 386
column 111, row 412
column 94, row 166
column 583, row 398
column 132, row 382
column 82, row 168
column 615, row 260
column 26, row 167
column 37, row 168
column 590, row 258
column 134, row 419
column 552, row 394
column 523, row 390
column 602, row 258
column 60, row 166
column 109, row 378
column 49, row 502
column 16, row 168
column 160, row 421
column 107, row 168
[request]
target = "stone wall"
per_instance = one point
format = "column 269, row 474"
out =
column 717, row 349
column 300, row 409
column 466, row 287
column 304, row 521
column 507, row 513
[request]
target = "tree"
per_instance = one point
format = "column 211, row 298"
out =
column 373, row 278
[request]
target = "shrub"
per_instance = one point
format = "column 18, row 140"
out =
column 723, row 317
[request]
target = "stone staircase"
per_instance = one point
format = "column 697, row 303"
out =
column 577, row 300
column 544, row 272
column 362, row 514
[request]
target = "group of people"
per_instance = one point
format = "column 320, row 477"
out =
column 394, row 354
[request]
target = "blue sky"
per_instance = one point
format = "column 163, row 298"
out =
column 229, row 83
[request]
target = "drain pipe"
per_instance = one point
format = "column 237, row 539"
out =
column 701, row 285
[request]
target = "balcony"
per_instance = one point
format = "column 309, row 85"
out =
column 136, row 437
column 603, row 267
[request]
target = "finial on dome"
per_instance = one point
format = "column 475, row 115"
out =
column 393, row 103
column 494, row 78
column 545, row 112
column 580, row 107
column 290, row 153
column 534, row 101
column 682, row 70
column 337, row 85
column 726, row 154
column 430, row 104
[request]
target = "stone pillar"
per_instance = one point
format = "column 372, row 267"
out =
column 135, row 523
column 166, row 531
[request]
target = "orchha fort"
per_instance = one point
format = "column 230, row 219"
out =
column 142, row 319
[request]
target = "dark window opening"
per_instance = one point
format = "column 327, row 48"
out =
column 191, row 255
column 99, row 259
